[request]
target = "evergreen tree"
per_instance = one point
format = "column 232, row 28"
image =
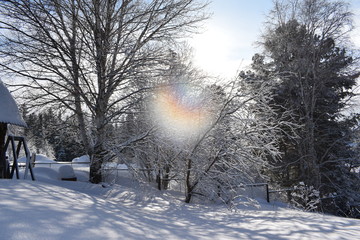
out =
column 313, row 80
column 52, row 135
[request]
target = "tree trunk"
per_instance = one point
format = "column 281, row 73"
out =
column 95, row 167
column 189, row 187
column 97, row 159
column 162, row 179
column 100, row 153
column 166, row 180
column 158, row 180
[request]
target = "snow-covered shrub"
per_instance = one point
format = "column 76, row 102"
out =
column 305, row 197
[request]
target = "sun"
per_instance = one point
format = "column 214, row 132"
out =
column 214, row 52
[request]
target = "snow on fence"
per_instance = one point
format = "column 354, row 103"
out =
column 56, row 165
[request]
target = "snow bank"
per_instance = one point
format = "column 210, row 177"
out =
column 75, row 210
column 22, row 160
column 82, row 159
column 40, row 158
column 45, row 174
column 49, row 170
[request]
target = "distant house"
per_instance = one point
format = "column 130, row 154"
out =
column 9, row 114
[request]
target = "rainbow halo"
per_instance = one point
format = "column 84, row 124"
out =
column 180, row 111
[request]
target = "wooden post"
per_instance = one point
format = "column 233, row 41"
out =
column 267, row 193
column 3, row 162
column 15, row 166
column 30, row 161
column 16, row 150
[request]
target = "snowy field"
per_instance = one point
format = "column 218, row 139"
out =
column 53, row 209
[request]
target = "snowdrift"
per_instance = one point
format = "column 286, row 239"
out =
column 52, row 209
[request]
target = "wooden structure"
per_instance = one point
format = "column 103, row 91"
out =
column 16, row 143
column 9, row 114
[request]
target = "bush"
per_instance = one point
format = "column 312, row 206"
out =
column 305, row 197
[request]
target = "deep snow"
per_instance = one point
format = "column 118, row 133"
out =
column 53, row 209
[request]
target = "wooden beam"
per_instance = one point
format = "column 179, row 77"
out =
column 3, row 162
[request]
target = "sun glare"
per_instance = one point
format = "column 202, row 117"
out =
column 180, row 112
column 214, row 52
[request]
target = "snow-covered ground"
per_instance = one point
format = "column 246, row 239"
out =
column 53, row 209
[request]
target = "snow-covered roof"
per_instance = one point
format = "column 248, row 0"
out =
column 9, row 111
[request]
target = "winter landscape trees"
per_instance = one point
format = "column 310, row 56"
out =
column 92, row 57
column 116, row 73
column 313, row 75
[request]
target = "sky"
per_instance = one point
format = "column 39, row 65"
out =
column 228, row 40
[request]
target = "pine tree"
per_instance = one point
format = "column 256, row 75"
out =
column 313, row 80
column 52, row 135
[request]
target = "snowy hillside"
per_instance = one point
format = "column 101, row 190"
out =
column 54, row 209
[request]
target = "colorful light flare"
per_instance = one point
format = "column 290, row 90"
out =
column 180, row 112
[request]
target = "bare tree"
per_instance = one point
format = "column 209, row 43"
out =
column 159, row 155
column 209, row 139
column 91, row 57
column 235, row 149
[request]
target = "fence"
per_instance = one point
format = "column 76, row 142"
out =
column 58, row 164
column 258, row 190
column 110, row 174
column 114, row 175
column 275, row 195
